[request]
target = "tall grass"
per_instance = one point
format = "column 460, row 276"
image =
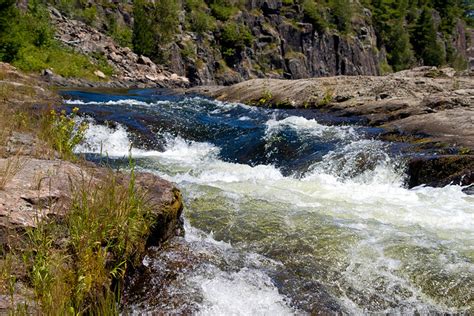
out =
column 10, row 167
column 62, row 131
column 75, row 266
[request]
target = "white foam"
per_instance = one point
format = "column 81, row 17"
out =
column 100, row 139
column 310, row 126
column 255, row 293
column 117, row 102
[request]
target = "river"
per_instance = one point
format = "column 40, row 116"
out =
column 286, row 211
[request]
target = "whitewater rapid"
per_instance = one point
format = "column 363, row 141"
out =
column 345, row 224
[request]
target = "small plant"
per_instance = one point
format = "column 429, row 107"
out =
column 265, row 98
column 327, row 98
column 73, row 264
column 63, row 132
column 464, row 151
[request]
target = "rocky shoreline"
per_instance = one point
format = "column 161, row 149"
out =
column 431, row 108
column 38, row 186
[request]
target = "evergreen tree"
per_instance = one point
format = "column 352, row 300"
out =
column 342, row 13
column 389, row 18
column 400, row 54
column 143, row 31
column 166, row 19
column 9, row 47
column 425, row 41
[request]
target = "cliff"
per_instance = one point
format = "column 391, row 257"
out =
column 221, row 42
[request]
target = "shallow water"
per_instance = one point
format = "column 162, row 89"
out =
column 288, row 211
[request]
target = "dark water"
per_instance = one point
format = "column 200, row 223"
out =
column 287, row 211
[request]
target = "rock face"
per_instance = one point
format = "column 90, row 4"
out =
column 130, row 68
column 281, row 49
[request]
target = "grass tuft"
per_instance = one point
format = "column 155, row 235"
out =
column 10, row 168
column 75, row 265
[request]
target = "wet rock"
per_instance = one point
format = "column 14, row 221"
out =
column 441, row 170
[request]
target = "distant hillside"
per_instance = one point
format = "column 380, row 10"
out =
column 226, row 41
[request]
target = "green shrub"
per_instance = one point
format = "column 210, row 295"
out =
column 63, row 132
column 72, row 264
column 314, row 14
column 143, row 38
column 234, row 38
column 223, row 9
column 341, row 11
column 425, row 40
column 61, row 60
column 90, row 15
column 202, row 22
column 198, row 17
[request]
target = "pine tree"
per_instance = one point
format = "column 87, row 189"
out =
column 400, row 51
column 425, row 41
column 9, row 46
column 143, row 31
column 342, row 13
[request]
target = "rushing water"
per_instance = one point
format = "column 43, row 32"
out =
column 286, row 211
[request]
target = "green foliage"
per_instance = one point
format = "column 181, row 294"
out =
column 341, row 11
column 265, row 99
column 425, row 41
column 63, row 132
column 155, row 24
column 314, row 14
column 166, row 19
column 61, row 60
column 198, row 17
column 122, row 34
column 143, row 30
column 234, row 38
column 400, row 54
column 223, row 9
column 72, row 264
column 392, row 19
column 327, row 98
column 27, row 41
column 21, row 29
column 90, row 15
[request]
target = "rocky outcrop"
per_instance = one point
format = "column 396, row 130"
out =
column 130, row 69
column 37, row 188
column 281, row 48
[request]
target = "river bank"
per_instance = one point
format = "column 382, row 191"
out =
column 428, row 107
column 70, row 230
